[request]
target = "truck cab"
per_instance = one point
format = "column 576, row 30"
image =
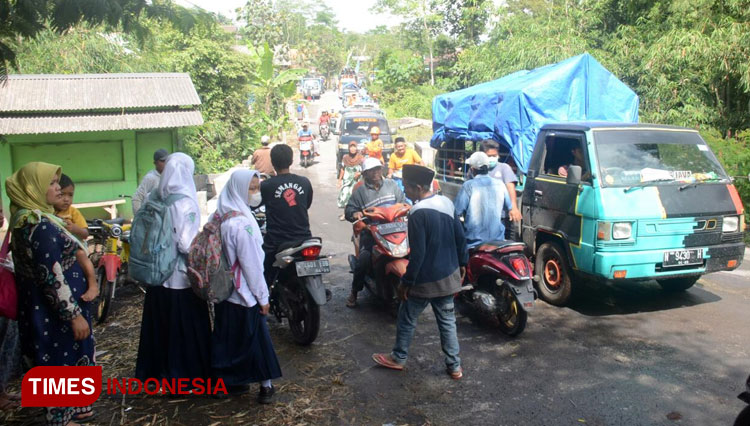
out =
column 355, row 125
column 628, row 202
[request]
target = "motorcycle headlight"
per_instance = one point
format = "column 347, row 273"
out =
column 730, row 224
column 622, row 230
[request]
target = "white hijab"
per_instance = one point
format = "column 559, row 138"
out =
column 177, row 177
column 234, row 196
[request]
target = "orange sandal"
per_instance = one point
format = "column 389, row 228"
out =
column 386, row 361
column 456, row 374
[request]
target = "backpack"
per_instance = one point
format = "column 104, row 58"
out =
column 153, row 250
column 208, row 270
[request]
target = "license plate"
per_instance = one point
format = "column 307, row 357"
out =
column 312, row 267
column 392, row 228
column 683, row 257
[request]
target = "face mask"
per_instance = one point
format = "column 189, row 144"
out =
column 493, row 162
column 255, row 200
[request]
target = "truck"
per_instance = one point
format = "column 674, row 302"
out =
column 638, row 202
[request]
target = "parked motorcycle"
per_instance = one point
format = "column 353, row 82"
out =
column 498, row 287
column 388, row 228
column 306, row 151
column 110, row 256
column 743, row 419
column 297, row 290
column 324, row 131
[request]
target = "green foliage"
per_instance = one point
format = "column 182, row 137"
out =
column 413, row 101
column 734, row 154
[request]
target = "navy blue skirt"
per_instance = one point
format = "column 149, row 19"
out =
column 241, row 347
column 175, row 336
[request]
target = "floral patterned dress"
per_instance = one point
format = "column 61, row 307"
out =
column 50, row 284
column 347, row 184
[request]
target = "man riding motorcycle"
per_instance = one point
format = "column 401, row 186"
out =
column 324, row 118
column 375, row 192
column 305, row 131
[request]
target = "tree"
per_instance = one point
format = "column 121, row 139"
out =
column 422, row 14
column 21, row 20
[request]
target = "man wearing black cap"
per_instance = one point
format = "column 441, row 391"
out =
column 437, row 264
column 151, row 180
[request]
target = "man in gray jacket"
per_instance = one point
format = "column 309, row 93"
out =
column 374, row 192
column 151, row 180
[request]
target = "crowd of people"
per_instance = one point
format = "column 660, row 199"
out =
column 55, row 278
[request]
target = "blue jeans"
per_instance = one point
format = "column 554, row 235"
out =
column 409, row 311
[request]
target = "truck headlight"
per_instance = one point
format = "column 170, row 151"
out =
column 730, row 224
column 622, row 230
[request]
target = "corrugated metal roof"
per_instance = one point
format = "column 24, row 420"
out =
column 90, row 92
column 99, row 122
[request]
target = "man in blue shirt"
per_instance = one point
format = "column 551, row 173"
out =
column 481, row 201
column 437, row 265
column 307, row 134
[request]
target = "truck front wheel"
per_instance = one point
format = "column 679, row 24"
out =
column 678, row 284
column 555, row 285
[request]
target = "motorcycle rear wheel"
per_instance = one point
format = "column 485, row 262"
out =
column 513, row 321
column 304, row 321
column 103, row 301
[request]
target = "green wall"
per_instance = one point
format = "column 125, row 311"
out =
column 102, row 164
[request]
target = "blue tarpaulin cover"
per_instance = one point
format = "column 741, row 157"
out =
column 512, row 109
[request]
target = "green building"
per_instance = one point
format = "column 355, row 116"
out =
column 101, row 128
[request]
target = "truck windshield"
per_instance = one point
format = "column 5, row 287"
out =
column 360, row 126
column 630, row 157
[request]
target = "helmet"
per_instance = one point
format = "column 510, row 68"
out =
column 265, row 140
column 375, row 130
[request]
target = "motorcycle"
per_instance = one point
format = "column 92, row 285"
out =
column 297, row 290
column 498, row 288
column 388, row 228
column 111, row 263
column 305, row 151
column 325, row 132
column 743, row 419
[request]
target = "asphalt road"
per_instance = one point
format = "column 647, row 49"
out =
column 619, row 355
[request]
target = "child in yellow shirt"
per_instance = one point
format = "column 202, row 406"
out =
column 75, row 223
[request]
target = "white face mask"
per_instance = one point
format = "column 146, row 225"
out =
column 255, row 200
column 493, row 162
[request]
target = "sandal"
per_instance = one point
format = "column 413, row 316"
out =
column 351, row 302
column 386, row 361
column 456, row 374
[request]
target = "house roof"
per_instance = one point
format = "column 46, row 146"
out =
column 39, row 103
column 99, row 122
column 91, row 92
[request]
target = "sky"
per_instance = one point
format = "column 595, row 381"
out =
column 353, row 15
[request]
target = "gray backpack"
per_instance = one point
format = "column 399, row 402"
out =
column 153, row 250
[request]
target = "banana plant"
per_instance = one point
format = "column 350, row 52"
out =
column 274, row 87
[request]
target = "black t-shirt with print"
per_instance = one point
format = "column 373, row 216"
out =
column 287, row 198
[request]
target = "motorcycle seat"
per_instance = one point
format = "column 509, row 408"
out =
column 116, row 221
column 502, row 245
column 297, row 243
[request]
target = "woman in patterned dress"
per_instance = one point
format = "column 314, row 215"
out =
column 53, row 322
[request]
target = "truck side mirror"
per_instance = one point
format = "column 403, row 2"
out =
column 574, row 175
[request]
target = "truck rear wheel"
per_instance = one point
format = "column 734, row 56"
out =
column 555, row 285
column 678, row 284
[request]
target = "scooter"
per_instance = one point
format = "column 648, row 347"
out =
column 324, row 131
column 297, row 290
column 388, row 228
column 306, row 151
column 498, row 288
column 743, row 419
